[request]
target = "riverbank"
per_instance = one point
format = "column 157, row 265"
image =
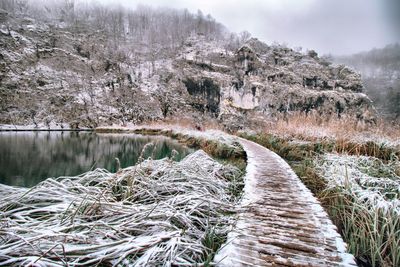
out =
column 34, row 128
column 156, row 212
column 215, row 142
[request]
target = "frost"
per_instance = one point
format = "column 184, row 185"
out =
column 155, row 213
column 373, row 182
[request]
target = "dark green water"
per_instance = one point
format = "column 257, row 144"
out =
column 26, row 158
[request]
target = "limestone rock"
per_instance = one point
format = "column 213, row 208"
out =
column 49, row 74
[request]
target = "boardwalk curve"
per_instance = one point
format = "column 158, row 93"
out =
column 280, row 222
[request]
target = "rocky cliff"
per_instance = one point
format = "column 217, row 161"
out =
column 54, row 75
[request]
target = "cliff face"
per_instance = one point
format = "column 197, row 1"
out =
column 259, row 81
column 51, row 75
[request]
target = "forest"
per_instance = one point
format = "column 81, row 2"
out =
column 157, row 27
column 380, row 70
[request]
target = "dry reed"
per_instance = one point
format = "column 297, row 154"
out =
column 314, row 127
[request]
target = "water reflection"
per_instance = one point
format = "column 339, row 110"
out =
column 26, row 158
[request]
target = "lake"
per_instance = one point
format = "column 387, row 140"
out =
column 26, row 158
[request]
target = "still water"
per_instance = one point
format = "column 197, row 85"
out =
column 26, row 158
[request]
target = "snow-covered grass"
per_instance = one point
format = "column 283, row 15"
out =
column 363, row 197
column 157, row 213
column 214, row 141
column 375, row 183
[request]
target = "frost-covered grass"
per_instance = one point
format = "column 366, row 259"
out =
column 374, row 182
column 363, row 196
column 294, row 149
column 214, row 142
column 157, row 213
column 372, row 234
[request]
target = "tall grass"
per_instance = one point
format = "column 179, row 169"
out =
column 221, row 148
column 372, row 233
column 313, row 127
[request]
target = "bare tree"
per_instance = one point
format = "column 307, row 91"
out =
column 244, row 36
column 8, row 5
column 68, row 11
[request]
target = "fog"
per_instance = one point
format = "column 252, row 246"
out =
column 328, row 26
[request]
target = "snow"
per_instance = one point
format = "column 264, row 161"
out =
column 39, row 127
column 356, row 173
column 3, row 30
column 250, row 189
column 78, row 57
column 197, row 48
column 242, row 98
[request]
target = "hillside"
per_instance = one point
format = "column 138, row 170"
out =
column 380, row 69
column 84, row 67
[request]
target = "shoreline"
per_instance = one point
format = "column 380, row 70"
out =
column 28, row 128
column 47, row 130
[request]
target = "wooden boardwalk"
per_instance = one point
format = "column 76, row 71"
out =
column 281, row 223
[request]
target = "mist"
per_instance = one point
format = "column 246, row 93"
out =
column 332, row 26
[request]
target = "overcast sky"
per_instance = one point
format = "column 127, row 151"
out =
column 328, row 26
